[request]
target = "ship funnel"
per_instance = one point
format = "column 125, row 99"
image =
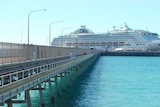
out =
column 83, row 26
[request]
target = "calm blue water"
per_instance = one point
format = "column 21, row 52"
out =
column 112, row 82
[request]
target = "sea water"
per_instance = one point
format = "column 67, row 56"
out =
column 113, row 81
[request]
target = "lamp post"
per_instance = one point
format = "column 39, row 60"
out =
column 50, row 30
column 29, row 16
column 62, row 34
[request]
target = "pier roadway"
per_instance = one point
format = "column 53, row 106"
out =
column 18, row 66
column 31, row 77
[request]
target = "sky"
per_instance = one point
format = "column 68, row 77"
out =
column 98, row 15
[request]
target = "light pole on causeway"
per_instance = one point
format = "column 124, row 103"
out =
column 29, row 16
column 50, row 30
column 62, row 34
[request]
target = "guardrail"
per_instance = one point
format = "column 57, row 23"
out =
column 9, row 68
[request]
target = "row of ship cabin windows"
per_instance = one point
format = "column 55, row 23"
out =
column 105, row 38
column 103, row 44
column 99, row 44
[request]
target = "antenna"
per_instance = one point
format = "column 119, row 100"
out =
column 46, row 39
column 21, row 36
column 147, row 28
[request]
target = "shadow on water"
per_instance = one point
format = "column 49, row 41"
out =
column 71, row 97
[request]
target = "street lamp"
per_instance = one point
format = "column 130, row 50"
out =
column 28, row 19
column 62, row 34
column 50, row 30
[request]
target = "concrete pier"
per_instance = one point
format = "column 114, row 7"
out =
column 33, row 78
column 62, row 82
column 28, row 99
column 75, row 73
column 69, row 77
column 41, row 96
column 57, row 89
column 66, row 75
column 51, row 91
column 9, row 103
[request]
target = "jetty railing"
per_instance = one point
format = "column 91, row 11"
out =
column 14, row 83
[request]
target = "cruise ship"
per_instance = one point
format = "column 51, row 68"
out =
column 123, row 39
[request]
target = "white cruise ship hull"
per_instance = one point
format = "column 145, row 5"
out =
column 124, row 39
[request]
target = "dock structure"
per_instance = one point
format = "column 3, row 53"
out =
column 28, row 67
column 23, row 76
column 131, row 53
